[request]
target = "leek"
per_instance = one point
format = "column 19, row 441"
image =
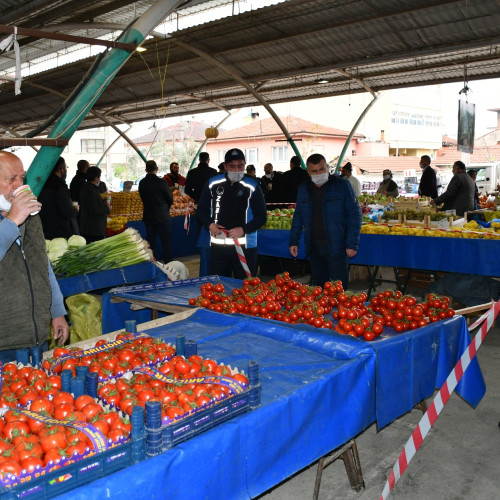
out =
column 124, row 249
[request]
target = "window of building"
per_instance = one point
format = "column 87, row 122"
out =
column 280, row 153
column 92, row 145
column 252, row 156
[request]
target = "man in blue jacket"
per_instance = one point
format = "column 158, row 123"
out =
column 232, row 206
column 328, row 211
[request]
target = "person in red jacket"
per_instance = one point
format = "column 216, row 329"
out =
column 174, row 179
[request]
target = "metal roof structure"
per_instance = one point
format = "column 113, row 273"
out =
column 282, row 52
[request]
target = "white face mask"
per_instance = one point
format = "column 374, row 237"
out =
column 387, row 177
column 269, row 175
column 4, row 204
column 320, row 179
column 235, row 176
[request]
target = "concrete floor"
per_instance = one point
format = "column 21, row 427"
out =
column 458, row 460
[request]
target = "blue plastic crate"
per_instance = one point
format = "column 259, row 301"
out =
column 189, row 427
column 71, row 476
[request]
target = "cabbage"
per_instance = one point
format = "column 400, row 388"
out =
column 58, row 244
column 54, row 255
column 76, row 241
column 47, row 245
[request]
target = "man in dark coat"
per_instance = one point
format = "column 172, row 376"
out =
column 58, row 213
column 198, row 177
column 291, row 180
column 428, row 181
column 459, row 194
column 78, row 180
column 93, row 208
column 157, row 200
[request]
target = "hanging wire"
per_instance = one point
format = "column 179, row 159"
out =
column 162, row 77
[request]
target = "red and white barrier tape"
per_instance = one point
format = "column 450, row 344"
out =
column 241, row 255
column 442, row 397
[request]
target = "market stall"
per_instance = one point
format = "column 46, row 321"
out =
column 409, row 364
column 318, row 391
column 315, row 397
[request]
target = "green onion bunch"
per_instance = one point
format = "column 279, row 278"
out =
column 124, row 249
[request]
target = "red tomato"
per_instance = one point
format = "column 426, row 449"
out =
column 82, row 401
column 62, row 397
column 63, row 410
column 90, row 410
column 368, row 335
column 31, row 463
column 16, row 428
column 56, row 440
column 54, row 455
column 10, row 467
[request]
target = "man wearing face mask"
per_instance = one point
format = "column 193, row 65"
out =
column 31, row 296
column 232, row 206
column 58, row 213
column 388, row 186
column 271, row 184
column 328, row 211
column 428, row 181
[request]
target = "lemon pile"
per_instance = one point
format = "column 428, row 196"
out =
column 128, row 205
column 116, row 223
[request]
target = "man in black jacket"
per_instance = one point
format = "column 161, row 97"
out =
column 78, row 180
column 157, row 200
column 291, row 180
column 58, row 214
column 198, row 177
column 428, row 181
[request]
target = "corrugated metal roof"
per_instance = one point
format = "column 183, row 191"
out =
column 282, row 50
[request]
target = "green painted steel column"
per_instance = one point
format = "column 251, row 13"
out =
column 70, row 120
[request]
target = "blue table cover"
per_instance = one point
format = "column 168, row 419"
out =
column 316, row 395
column 107, row 279
column 410, row 365
column 458, row 255
column 182, row 243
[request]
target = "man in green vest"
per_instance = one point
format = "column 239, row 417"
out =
column 31, row 297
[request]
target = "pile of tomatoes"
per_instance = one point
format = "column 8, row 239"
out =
column 27, row 443
column 283, row 299
column 177, row 399
column 141, row 351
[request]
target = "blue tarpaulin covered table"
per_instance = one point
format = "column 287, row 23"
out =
column 410, row 365
column 459, row 255
column 183, row 243
column 316, row 394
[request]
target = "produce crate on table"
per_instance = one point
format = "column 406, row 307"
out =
column 126, row 205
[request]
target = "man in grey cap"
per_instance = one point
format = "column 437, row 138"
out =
column 347, row 174
column 232, row 207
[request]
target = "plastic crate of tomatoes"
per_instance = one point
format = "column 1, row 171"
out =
column 196, row 394
column 111, row 359
column 51, row 442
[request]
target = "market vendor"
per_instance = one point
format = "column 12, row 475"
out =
column 328, row 211
column 459, row 194
column 232, row 206
column 388, row 186
column 31, row 296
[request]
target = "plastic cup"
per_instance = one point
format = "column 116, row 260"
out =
column 253, row 373
column 190, row 348
column 179, row 344
column 66, row 376
column 131, row 326
column 77, row 386
column 36, row 355
column 92, row 384
column 20, row 189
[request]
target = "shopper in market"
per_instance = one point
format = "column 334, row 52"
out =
column 28, row 307
column 173, row 178
column 328, row 211
column 473, row 174
column 346, row 172
column 232, row 206
column 428, row 181
column 79, row 180
column 292, row 179
column 93, row 208
column 58, row 214
column 198, row 177
column 251, row 172
column 459, row 194
column 157, row 199
column 388, row 186
column 271, row 185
